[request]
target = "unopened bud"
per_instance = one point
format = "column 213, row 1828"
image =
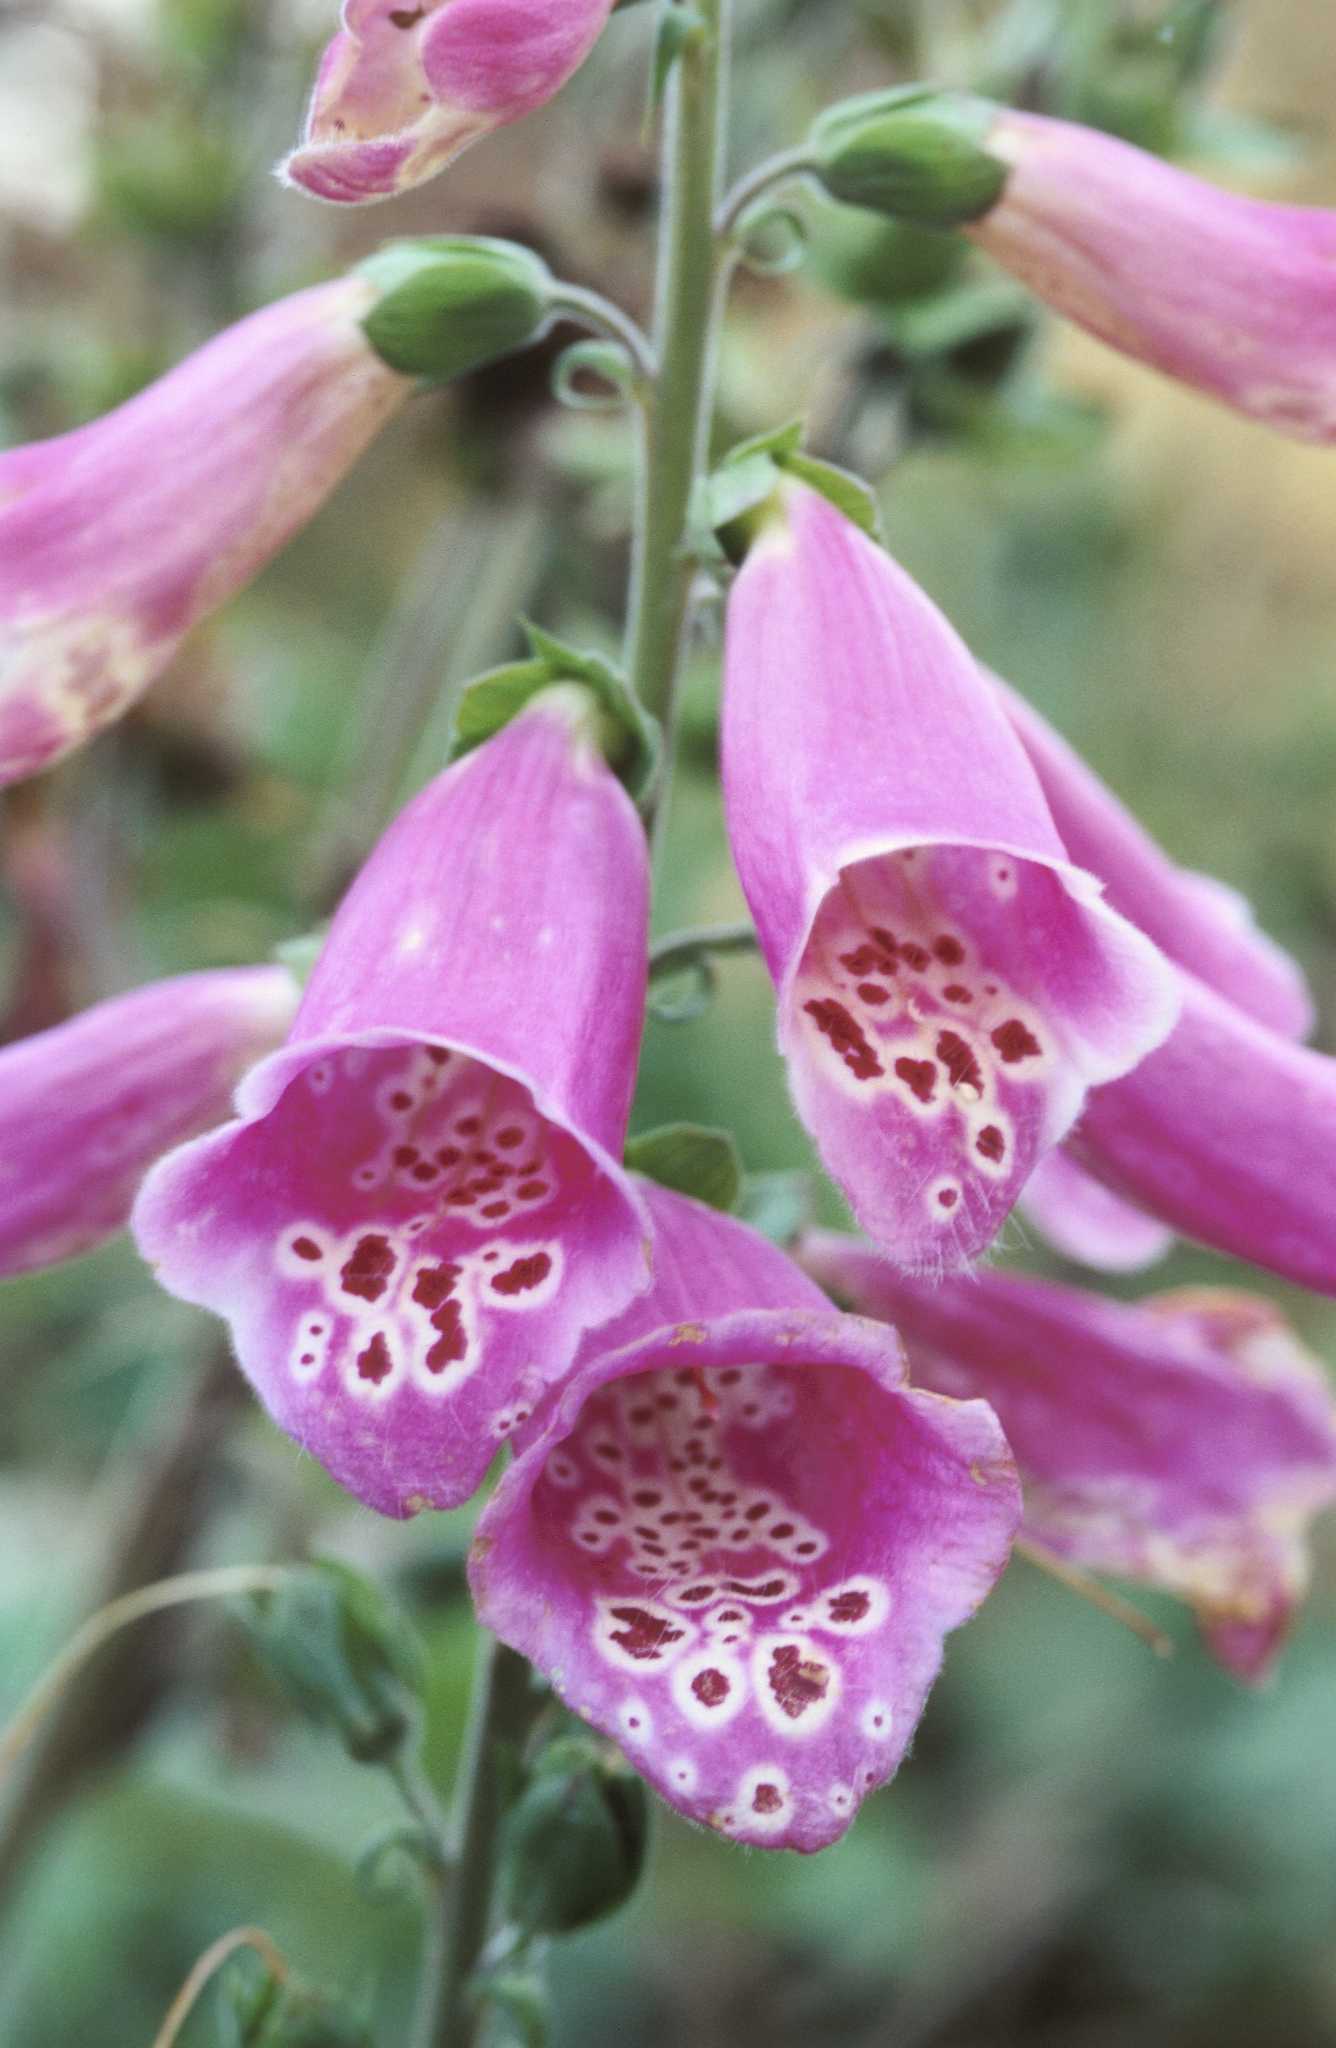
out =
column 911, row 152
column 450, row 303
column 575, row 1841
column 343, row 1653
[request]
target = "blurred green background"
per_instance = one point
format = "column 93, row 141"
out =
column 1089, row 1847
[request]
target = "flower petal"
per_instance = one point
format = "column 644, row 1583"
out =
column 117, row 538
column 420, row 1209
column 949, row 984
column 1186, row 1441
column 736, row 1540
column 1086, row 1221
column 87, row 1107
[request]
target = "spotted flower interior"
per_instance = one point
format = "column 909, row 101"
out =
column 942, row 989
column 743, row 1572
column 396, row 1260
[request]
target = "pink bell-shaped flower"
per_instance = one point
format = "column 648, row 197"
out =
column 1185, row 1441
column 1233, row 295
column 950, row 984
column 87, row 1107
column 402, row 90
column 117, row 538
column 421, row 1207
column 735, row 1539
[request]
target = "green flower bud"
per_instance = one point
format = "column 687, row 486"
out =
column 574, row 1843
column 912, row 152
column 345, row 1656
column 450, row 303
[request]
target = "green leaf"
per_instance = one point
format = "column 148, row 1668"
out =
column 629, row 737
column 691, row 1159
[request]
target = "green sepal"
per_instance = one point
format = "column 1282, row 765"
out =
column 912, row 152
column 690, row 1159
column 629, row 737
column 735, row 503
column 343, row 1653
column 450, row 303
column 573, row 1846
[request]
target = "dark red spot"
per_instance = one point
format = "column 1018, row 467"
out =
column 711, row 1688
column 990, row 1143
column 305, row 1248
column 608, row 1516
column 768, row 1589
column 469, row 1126
column 695, row 1594
column 957, row 1056
column 642, row 1413
column 510, row 1137
column 956, row 992
column 806, row 1549
column 850, row 1606
column 647, row 1496
column 434, row 1285
column 881, row 937
column 525, row 1274
column 948, row 950
column 868, row 960
column 797, row 1682
column 918, row 1076
column 449, row 1155
column 917, row 957
column 367, row 1272
column 1015, row 1042
column 846, row 1037
column 424, row 1172
column 401, row 1099
column 947, row 1198
column 872, row 992
column 406, row 17
column 494, row 1211
column 452, row 1338
column 437, row 1054
column 404, row 1155
column 782, row 1530
column 730, row 1376
column 767, row 1799
column 757, row 1512
column 375, row 1362
column 460, row 1198
column 643, row 1634
column 530, row 1190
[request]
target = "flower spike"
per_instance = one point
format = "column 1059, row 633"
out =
column 1186, row 1441
column 420, row 1208
column 117, row 538
column 87, row 1107
column 950, row 985
column 1236, row 296
column 402, row 90
column 736, row 1539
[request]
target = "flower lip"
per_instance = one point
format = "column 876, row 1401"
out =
column 765, row 1681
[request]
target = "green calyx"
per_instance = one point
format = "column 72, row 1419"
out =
column 744, row 497
column 912, row 152
column 625, row 734
column 573, row 1846
column 449, row 303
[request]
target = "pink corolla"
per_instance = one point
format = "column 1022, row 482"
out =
column 1088, row 1222
column 88, row 1106
column 1236, row 296
column 402, row 90
column 420, row 1207
column 117, row 538
column 950, row 984
column 736, row 1538
column 1186, row 1441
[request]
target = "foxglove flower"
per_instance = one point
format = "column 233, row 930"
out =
column 402, row 90
column 1233, row 295
column 1186, row 1441
column 117, row 538
column 420, row 1207
column 86, row 1107
column 949, row 983
column 1088, row 1222
column 736, row 1539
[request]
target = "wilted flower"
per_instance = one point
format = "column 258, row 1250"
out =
column 421, row 1208
column 87, row 1107
column 402, row 90
column 1233, row 295
column 735, row 1539
column 1186, row 1441
column 950, row 985
column 116, row 538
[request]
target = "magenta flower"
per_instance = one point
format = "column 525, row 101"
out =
column 1233, row 295
column 949, row 983
column 402, row 90
column 117, row 538
column 1186, row 1441
column 736, row 1539
column 87, row 1107
column 420, row 1208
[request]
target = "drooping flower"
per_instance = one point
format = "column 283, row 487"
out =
column 736, row 1538
column 86, row 1107
column 1236, row 296
column 420, row 1208
column 117, row 538
column 402, row 90
column 950, row 984
column 1186, row 1441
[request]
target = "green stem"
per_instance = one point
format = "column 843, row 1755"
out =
column 678, row 424
column 504, row 1705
